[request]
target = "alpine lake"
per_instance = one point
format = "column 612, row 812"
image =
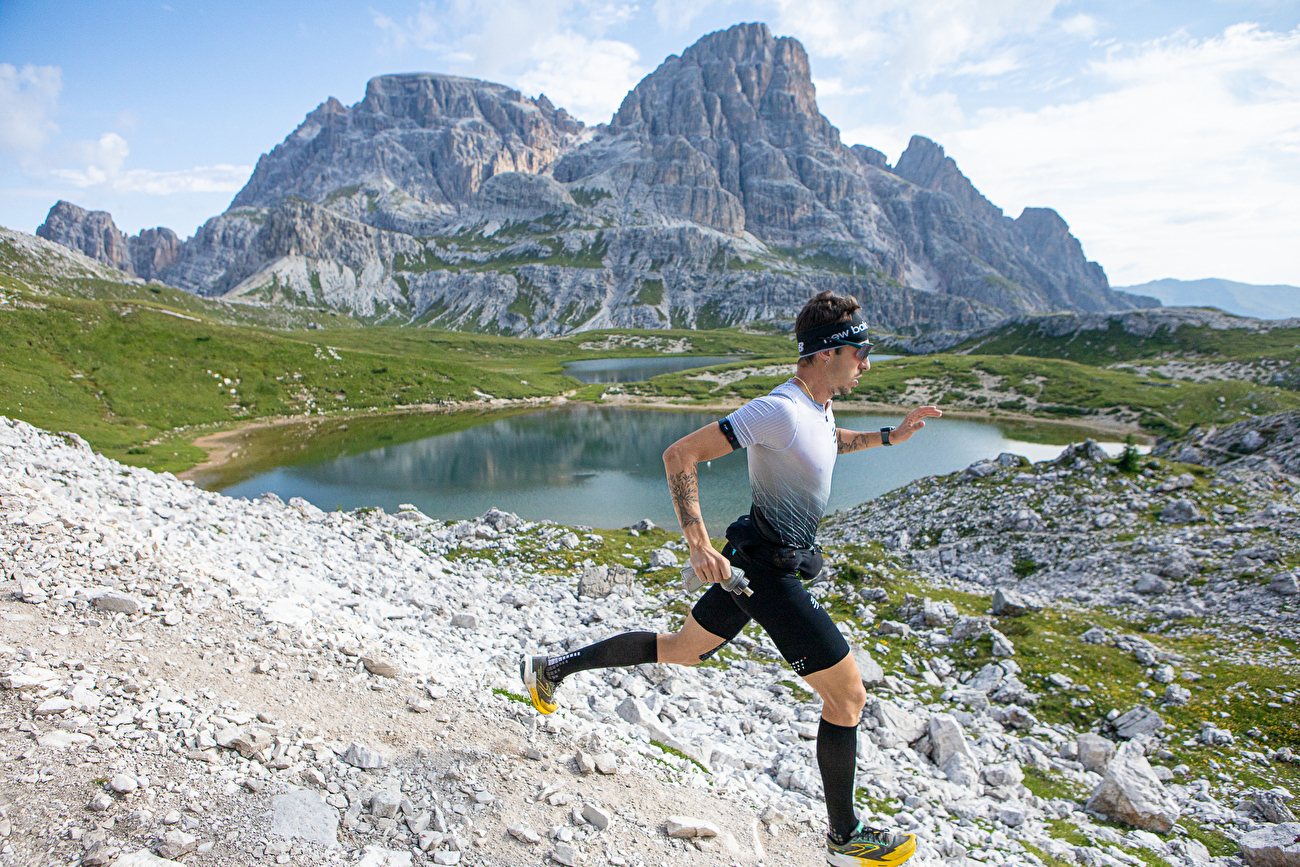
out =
column 578, row 464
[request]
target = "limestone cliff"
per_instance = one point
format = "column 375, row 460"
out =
column 718, row 194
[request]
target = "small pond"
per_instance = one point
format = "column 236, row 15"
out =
column 640, row 369
column 581, row 464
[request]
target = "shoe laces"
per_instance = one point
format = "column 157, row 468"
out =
column 872, row 835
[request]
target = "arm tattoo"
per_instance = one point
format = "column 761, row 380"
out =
column 685, row 490
column 852, row 441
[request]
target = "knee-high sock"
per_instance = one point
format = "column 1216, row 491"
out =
column 630, row 648
column 837, row 757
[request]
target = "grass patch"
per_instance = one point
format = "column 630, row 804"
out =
column 512, row 696
column 679, row 754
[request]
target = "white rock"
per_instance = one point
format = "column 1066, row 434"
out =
column 946, row 738
column 565, row 853
column 123, row 784
column 117, row 602
column 305, row 815
column 662, row 558
column 144, row 858
column 1272, row 846
column 363, row 757
column 1095, row 752
column 464, row 621
column 872, row 674
column 523, row 834
column 597, row 816
column 59, row 739
column 1131, row 793
column 176, row 844
column 685, row 827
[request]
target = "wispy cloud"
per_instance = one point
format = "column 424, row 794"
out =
column 101, row 165
column 556, row 47
column 1183, row 157
column 28, row 98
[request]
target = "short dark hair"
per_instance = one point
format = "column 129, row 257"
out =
column 825, row 308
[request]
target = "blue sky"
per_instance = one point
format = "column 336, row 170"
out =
column 1166, row 133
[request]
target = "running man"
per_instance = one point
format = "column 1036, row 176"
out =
column 792, row 442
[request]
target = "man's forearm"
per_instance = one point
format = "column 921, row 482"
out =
column 684, row 485
column 855, row 440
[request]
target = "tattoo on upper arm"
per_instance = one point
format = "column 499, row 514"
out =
column 685, row 490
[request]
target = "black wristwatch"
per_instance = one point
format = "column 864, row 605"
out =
column 884, row 436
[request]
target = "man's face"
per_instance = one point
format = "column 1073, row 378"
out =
column 844, row 369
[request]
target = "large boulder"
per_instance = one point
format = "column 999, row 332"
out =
column 1272, row 846
column 1095, row 752
column 1131, row 793
column 872, row 674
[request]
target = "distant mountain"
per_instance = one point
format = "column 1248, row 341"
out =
column 1243, row 299
column 717, row 195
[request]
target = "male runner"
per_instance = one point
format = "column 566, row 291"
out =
column 792, row 442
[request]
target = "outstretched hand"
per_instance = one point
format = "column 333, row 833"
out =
column 914, row 422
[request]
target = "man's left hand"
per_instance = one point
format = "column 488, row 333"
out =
column 914, row 422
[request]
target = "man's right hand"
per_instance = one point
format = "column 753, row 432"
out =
column 710, row 566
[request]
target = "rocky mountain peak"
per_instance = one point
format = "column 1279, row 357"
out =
column 925, row 164
column 91, row 232
column 435, row 138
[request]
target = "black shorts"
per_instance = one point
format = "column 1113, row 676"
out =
column 797, row 623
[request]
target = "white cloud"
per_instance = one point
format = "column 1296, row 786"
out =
column 28, row 98
column 556, row 47
column 906, row 42
column 587, row 77
column 102, row 166
column 1182, row 163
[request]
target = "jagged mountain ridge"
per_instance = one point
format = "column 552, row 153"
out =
column 718, row 194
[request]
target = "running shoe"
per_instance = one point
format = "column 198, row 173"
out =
column 533, row 671
column 870, row 847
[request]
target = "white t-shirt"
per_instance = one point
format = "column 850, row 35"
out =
column 791, row 445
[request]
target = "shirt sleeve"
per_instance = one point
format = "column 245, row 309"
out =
column 767, row 421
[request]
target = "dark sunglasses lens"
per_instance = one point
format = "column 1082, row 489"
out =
column 863, row 351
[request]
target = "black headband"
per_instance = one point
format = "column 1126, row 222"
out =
column 850, row 332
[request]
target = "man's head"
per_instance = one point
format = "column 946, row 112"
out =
column 818, row 327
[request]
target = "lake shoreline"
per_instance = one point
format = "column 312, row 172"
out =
column 222, row 445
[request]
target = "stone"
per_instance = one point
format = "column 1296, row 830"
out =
column 1181, row 511
column 378, row 856
column 873, row 675
column 363, row 757
column 1151, row 585
column 446, row 856
column 1272, row 846
column 1285, row 584
column 1138, row 722
column 303, row 814
column 464, row 621
column 1176, row 694
column 1272, row 807
column 99, row 803
column 586, row 764
column 1012, row 815
column 1009, row 603
column 116, row 602
column 1131, row 793
column 597, row 816
column 566, row 854
column 1164, row 674
column 376, row 663
column 523, row 834
column 60, row 739
column 1004, row 775
column 685, row 828
column 600, row 581
column 606, row 763
column 970, row 627
column 385, row 803
column 176, row 844
column 946, row 738
column 1094, row 635
column 143, row 858
column 962, row 770
column 54, row 705
column 662, row 558
column 645, row 525
column 123, row 784
column 904, row 724
column 1002, row 646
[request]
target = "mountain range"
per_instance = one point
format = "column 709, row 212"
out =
column 718, row 194
column 1243, row 299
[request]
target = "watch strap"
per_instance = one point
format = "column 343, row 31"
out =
column 884, row 436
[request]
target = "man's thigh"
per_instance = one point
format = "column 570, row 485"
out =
column 797, row 623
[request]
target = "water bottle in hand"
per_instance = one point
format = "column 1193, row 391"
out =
column 737, row 583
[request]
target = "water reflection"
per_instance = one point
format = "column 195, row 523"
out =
column 602, row 466
column 639, row 369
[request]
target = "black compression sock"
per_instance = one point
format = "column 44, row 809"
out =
column 630, row 648
column 837, row 757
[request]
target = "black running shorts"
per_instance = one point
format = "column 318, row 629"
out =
column 797, row 623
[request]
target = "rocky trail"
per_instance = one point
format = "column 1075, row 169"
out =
column 192, row 678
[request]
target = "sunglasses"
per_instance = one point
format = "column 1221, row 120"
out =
column 862, row 351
